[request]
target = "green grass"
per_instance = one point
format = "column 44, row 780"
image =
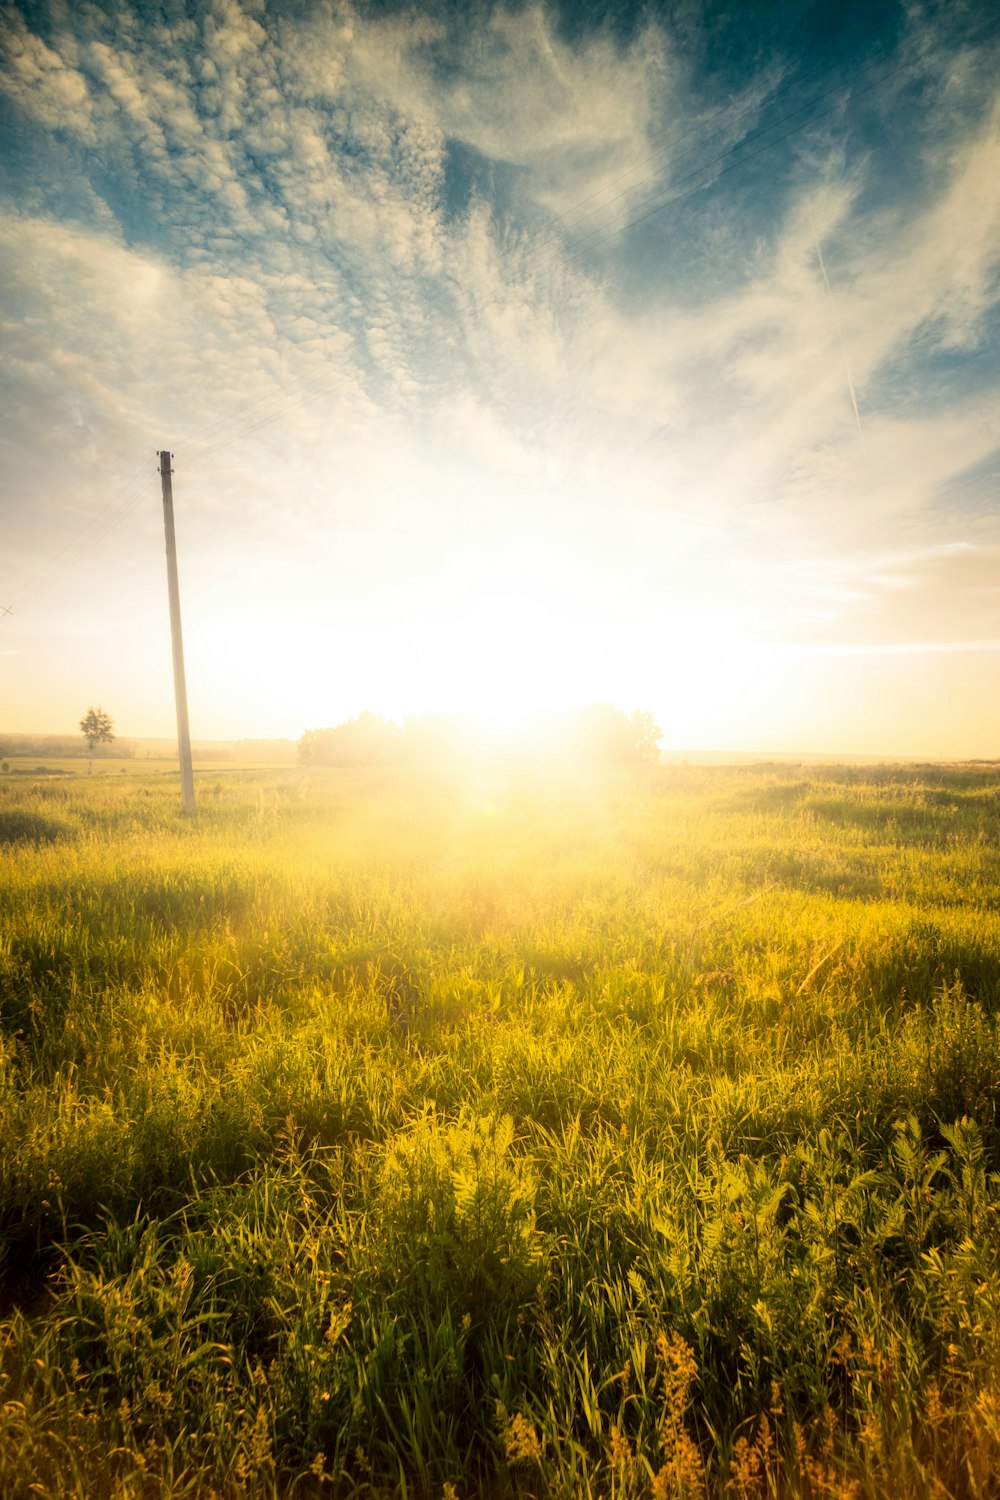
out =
column 376, row 1133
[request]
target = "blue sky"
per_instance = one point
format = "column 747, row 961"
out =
column 511, row 356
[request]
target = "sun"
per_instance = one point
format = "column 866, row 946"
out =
column 503, row 658
column 506, row 652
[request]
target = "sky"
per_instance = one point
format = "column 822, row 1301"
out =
column 512, row 357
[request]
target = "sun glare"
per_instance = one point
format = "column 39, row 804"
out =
column 503, row 659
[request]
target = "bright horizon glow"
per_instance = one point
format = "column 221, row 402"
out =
column 507, row 658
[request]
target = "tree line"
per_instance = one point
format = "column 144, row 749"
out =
column 63, row 746
column 598, row 734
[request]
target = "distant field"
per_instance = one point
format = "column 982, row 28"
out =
column 65, row 765
column 69, row 765
column 380, row 1134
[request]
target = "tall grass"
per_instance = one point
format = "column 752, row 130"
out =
column 383, row 1134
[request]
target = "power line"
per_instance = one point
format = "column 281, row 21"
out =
column 122, row 502
column 630, row 450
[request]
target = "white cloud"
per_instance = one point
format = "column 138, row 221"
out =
column 40, row 81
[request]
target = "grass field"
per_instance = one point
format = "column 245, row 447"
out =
column 376, row 1134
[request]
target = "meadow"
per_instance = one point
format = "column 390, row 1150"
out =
column 382, row 1133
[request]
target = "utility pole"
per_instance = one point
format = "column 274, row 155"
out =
column 180, row 689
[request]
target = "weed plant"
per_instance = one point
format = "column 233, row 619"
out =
column 389, row 1134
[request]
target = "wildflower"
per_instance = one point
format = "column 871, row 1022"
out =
column 682, row 1472
column 744, row 1469
column 622, row 1457
column 842, row 1351
column 519, row 1438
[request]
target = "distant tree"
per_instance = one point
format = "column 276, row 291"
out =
column 603, row 735
column 365, row 741
column 97, row 728
column 646, row 736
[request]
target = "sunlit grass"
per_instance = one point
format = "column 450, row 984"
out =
column 381, row 1132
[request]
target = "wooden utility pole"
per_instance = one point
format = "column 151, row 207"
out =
column 180, row 688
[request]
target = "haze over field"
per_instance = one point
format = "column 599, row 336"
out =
column 512, row 357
